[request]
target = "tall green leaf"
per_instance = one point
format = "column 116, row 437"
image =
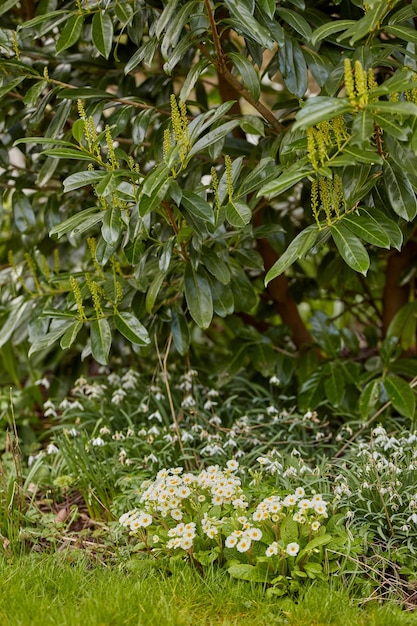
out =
column 400, row 192
column 297, row 248
column 101, row 337
column 70, row 33
column 102, row 32
column 401, row 395
column 198, row 296
column 350, row 248
column 130, row 327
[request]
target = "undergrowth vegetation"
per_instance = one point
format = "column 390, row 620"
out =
column 207, row 311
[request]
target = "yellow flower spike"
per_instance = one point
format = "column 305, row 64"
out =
column 45, row 266
column 325, row 197
column 361, row 82
column 184, row 122
column 315, row 200
column 339, row 130
column 32, row 268
column 215, row 185
column 95, row 295
column 324, row 129
column 81, row 110
column 321, row 145
column 349, row 82
column 15, row 45
column 371, row 79
column 176, row 119
column 46, row 73
column 57, row 262
column 112, row 159
column 167, row 143
column 78, row 298
column 311, row 148
column 92, row 246
column 229, row 176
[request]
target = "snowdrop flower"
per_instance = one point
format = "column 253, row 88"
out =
column 51, row 449
column 274, row 380
column 43, row 382
column 49, row 409
column 292, row 549
column 98, row 441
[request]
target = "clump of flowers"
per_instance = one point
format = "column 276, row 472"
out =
column 377, row 482
column 211, row 517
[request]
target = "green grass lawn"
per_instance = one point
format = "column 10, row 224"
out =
column 64, row 589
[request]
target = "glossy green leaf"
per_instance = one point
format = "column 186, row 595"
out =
column 401, row 107
column 399, row 191
column 23, row 213
column 8, row 86
column 363, row 156
column 180, row 331
column 392, row 229
column 102, row 32
column 215, row 265
column 350, row 248
column 46, row 342
column 367, row 24
column 362, row 130
column 293, row 67
column 76, row 220
column 199, row 207
column 367, row 228
column 402, row 32
column 101, row 338
column 284, row 182
column 238, row 214
column 112, row 225
column 248, row 73
column 211, row 137
column 130, row 327
column 70, row 33
column 296, row 21
column 330, row 28
column 198, row 296
column 71, row 334
column 403, row 325
column 222, row 296
column 320, row 108
column 297, row 249
column 401, row 395
column 7, row 5
column 153, row 291
column 192, row 77
column 70, row 153
column 369, row 398
column 334, row 384
column 244, row 21
column 81, row 179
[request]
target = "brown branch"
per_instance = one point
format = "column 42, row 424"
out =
column 221, row 64
column 278, row 290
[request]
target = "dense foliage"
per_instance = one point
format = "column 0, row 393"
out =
column 158, row 158
column 207, row 273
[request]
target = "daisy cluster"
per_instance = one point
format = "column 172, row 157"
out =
column 177, row 495
column 178, row 509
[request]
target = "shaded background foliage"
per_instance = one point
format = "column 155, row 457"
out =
column 130, row 219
